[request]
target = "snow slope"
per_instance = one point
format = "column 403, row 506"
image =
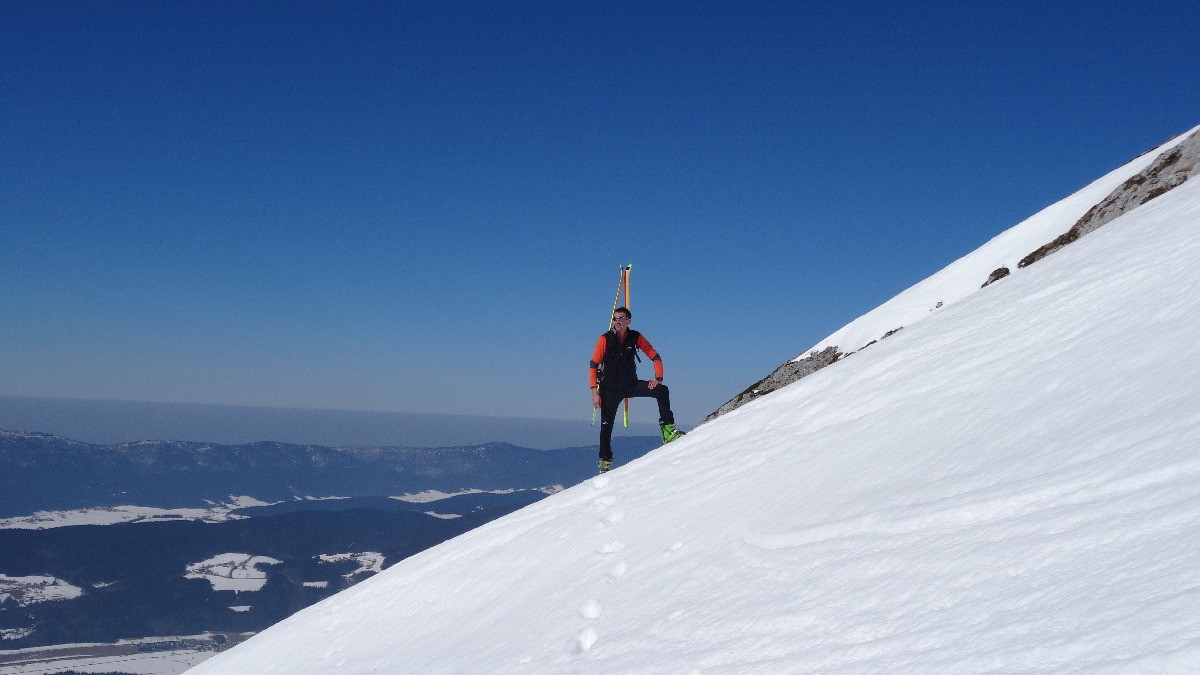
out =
column 1009, row 485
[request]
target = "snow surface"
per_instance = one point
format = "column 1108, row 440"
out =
column 1010, row 485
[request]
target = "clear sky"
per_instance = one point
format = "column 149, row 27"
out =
column 421, row 206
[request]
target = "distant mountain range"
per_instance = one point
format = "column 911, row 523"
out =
column 42, row 472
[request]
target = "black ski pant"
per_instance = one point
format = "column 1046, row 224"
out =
column 610, row 400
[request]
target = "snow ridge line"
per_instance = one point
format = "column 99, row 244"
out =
column 1175, row 162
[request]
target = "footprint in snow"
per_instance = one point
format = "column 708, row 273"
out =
column 613, row 547
column 331, row 652
column 591, row 609
column 586, row 638
column 618, row 570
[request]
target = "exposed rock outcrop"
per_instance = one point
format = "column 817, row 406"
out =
column 782, row 376
column 996, row 275
column 1169, row 171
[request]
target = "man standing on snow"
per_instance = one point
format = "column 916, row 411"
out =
column 612, row 374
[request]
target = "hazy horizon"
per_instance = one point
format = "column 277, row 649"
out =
column 108, row 422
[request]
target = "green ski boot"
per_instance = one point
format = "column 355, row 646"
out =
column 670, row 433
column 605, row 465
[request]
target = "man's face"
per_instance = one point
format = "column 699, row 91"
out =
column 620, row 322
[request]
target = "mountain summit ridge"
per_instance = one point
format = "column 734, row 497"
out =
column 44, row 472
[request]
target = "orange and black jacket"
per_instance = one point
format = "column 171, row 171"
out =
column 614, row 360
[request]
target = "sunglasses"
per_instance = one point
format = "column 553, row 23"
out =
column 620, row 318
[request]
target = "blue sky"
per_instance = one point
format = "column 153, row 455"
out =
column 421, row 206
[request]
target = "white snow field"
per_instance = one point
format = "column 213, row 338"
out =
column 1011, row 484
column 25, row 591
column 164, row 655
column 215, row 513
column 232, row 571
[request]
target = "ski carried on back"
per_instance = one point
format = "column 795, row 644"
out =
column 622, row 287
